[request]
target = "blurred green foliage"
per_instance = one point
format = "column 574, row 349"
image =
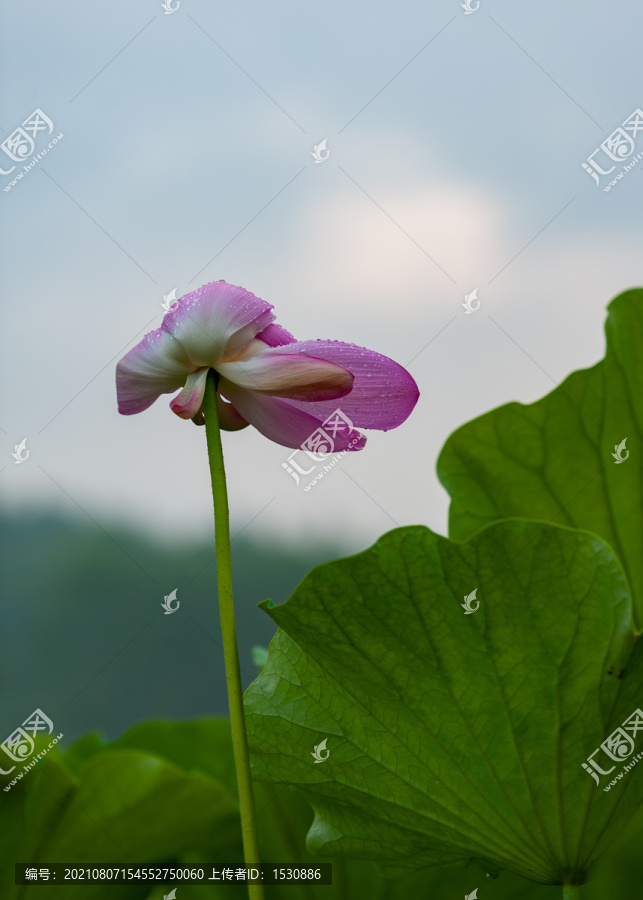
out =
column 84, row 636
column 164, row 793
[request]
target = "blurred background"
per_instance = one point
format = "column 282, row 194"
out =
column 455, row 146
column 86, row 639
column 450, row 160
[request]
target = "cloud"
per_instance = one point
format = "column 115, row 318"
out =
column 377, row 250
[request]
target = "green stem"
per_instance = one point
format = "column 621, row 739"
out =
column 571, row 892
column 229, row 631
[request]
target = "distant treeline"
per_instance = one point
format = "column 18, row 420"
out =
column 84, row 637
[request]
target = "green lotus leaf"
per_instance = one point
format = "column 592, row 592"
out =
column 557, row 460
column 455, row 736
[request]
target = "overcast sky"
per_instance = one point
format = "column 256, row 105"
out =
column 455, row 148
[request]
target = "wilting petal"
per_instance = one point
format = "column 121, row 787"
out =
column 146, row 372
column 383, row 394
column 288, row 375
column 275, row 336
column 281, row 421
column 216, row 320
column 187, row 404
column 289, row 390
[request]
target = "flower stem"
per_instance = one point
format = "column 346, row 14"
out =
column 571, row 892
column 229, row 631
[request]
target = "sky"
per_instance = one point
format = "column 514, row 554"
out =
column 452, row 142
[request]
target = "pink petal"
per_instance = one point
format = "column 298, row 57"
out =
column 275, row 336
column 283, row 422
column 383, row 394
column 147, row 371
column 187, row 404
column 217, row 320
column 229, row 418
column 287, row 375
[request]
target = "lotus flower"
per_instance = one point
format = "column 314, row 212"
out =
column 285, row 388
